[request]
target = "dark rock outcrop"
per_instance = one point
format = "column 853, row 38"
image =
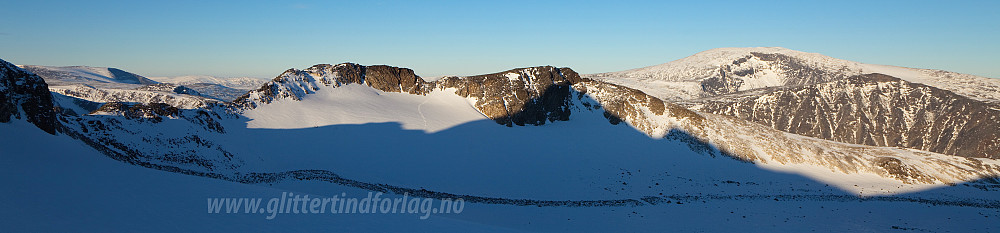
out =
column 153, row 111
column 168, row 87
column 524, row 96
column 23, row 94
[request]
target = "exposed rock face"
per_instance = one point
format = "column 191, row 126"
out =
column 522, row 96
column 394, row 79
column 23, row 94
column 622, row 103
column 154, row 111
column 877, row 110
column 167, row 87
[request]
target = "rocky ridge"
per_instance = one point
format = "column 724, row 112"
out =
column 877, row 110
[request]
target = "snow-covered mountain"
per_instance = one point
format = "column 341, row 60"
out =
column 60, row 75
column 100, row 85
column 875, row 109
column 542, row 147
column 731, row 70
column 819, row 96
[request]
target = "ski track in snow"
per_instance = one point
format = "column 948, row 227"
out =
column 421, row 111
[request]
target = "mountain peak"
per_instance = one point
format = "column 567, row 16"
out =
column 58, row 75
column 725, row 71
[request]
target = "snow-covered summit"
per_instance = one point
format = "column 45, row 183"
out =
column 705, row 64
column 730, row 70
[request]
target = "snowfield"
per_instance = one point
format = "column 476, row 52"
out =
column 65, row 185
column 358, row 104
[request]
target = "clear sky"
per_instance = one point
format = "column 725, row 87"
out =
column 264, row 38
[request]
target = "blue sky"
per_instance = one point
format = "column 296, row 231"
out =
column 264, row 38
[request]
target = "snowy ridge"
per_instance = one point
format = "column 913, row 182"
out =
column 975, row 87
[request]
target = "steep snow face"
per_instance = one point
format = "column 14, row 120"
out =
column 360, row 104
column 60, row 75
column 731, row 70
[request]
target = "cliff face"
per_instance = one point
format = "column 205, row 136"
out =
column 23, row 94
column 525, row 96
column 877, row 110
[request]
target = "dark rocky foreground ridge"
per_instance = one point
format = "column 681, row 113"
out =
column 877, row 110
column 23, row 94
